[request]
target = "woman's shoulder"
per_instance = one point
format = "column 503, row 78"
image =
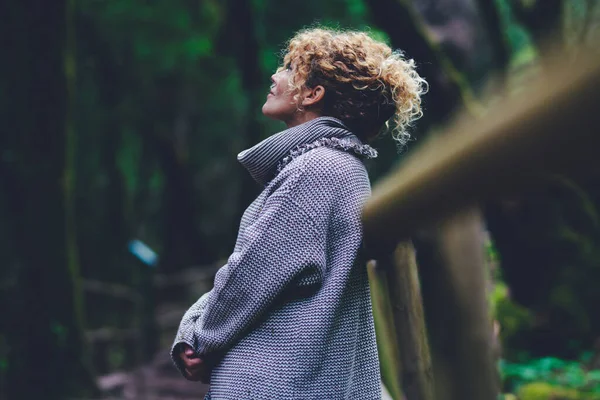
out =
column 329, row 164
column 329, row 156
column 325, row 174
column 321, row 172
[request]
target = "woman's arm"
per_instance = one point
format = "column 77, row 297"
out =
column 278, row 247
column 185, row 333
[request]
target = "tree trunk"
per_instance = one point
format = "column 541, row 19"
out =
column 241, row 31
column 45, row 358
column 496, row 32
column 407, row 32
column 182, row 239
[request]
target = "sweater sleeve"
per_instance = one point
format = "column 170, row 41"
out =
column 185, row 333
column 281, row 245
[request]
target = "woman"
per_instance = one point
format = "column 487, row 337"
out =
column 289, row 316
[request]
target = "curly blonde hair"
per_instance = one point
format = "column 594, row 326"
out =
column 367, row 85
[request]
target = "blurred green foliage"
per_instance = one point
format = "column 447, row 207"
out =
column 551, row 379
column 555, row 372
column 545, row 391
column 512, row 317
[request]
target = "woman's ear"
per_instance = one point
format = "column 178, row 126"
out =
column 313, row 96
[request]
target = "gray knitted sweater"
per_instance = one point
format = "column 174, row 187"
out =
column 289, row 316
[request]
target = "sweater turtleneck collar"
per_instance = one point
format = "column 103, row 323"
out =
column 267, row 158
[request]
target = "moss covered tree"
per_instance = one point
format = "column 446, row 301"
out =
column 44, row 308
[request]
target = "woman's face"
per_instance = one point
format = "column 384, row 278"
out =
column 280, row 104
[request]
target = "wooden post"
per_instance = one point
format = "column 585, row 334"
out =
column 451, row 262
column 387, row 339
column 400, row 269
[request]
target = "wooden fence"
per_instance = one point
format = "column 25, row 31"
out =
column 548, row 128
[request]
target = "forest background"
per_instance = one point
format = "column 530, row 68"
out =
column 120, row 192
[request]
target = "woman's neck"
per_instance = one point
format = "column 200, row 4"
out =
column 301, row 117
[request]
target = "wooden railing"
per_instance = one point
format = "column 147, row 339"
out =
column 551, row 127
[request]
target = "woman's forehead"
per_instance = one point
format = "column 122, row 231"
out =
column 293, row 59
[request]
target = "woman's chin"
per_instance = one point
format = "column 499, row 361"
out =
column 267, row 112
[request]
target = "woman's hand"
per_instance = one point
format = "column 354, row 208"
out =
column 195, row 368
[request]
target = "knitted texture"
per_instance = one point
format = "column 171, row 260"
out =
column 290, row 316
column 262, row 159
